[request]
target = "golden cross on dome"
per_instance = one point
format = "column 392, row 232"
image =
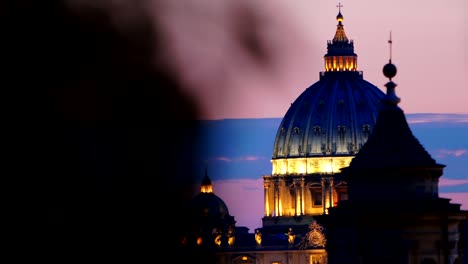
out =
column 339, row 6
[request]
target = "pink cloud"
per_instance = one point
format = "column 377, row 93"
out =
column 223, row 159
column 236, row 159
column 441, row 153
column 251, row 158
column 437, row 118
column 459, row 198
column 452, row 182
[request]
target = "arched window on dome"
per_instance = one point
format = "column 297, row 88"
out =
column 296, row 131
column 341, row 129
column 317, row 130
column 282, row 131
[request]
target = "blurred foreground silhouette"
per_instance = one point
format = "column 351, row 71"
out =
column 98, row 135
column 99, row 138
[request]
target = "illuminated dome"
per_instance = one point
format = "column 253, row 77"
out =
column 209, row 224
column 208, row 204
column 321, row 133
column 330, row 121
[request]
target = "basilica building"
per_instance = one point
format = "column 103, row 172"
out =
column 349, row 183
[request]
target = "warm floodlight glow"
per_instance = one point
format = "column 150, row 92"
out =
column 298, row 202
column 340, row 63
column 206, row 188
column 280, row 209
column 304, row 166
column 217, row 240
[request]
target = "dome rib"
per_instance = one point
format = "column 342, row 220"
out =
column 330, row 109
column 353, row 126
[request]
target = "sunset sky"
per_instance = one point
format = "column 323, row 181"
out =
column 251, row 59
column 97, row 94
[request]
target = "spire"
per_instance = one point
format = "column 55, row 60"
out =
column 390, row 70
column 340, row 35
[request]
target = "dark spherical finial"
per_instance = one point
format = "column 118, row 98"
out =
column 389, row 70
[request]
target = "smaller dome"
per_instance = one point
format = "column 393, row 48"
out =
column 209, row 205
column 206, row 204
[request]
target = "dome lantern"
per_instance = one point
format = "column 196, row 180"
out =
column 340, row 55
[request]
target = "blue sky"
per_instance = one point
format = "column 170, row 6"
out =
column 237, row 153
